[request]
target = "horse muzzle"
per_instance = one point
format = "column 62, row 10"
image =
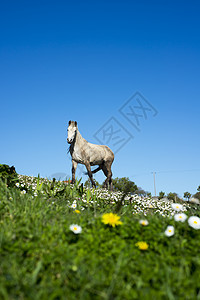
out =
column 69, row 141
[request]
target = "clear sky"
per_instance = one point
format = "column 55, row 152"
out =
column 99, row 62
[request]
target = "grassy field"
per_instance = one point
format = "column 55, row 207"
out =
column 59, row 241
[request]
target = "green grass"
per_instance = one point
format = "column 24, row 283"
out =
column 41, row 258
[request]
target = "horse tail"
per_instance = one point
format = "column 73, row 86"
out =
column 97, row 170
column 94, row 171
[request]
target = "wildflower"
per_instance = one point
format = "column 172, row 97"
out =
column 180, row 217
column 169, row 231
column 194, row 222
column 75, row 228
column 111, row 219
column 23, row 192
column 144, row 222
column 142, row 245
column 17, row 184
column 77, row 211
column 74, row 205
column 177, row 206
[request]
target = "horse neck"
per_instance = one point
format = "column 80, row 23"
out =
column 78, row 141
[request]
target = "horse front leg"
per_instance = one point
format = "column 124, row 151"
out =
column 87, row 164
column 74, row 166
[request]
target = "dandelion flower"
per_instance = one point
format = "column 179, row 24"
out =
column 111, row 219
column 144, row 222
column 75, row 228
column 194, row 222
column 77, row 211
column 169, row 231
column 180, row 217
column 177, row 206
column 142, row 245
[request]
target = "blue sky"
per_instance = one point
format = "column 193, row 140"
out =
column 64, row 60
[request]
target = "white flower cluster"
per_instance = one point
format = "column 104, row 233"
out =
column 137, row 204
column 193, row 221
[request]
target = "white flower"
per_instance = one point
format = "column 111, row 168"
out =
column 23, row 192
column 194, row 222
column 17, row 184
column 74, row 205
column 177, row 206
column 75, row 228
column 169, row 231
column 180, row 217
column 144, row 222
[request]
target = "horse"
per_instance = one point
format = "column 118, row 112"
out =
column 83, row 152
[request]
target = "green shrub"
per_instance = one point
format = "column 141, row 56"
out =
column 8, row 174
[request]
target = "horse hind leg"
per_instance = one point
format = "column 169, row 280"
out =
column 108, row 173
column 111, row 184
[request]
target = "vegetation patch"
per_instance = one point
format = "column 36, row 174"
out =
column 63, row 241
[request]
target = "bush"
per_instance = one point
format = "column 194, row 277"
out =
column 124, row 184
column 8, row 174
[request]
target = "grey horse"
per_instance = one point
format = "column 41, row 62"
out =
column 83, row 152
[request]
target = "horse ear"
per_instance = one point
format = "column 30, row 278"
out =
column 75, row 123
column 70, row 122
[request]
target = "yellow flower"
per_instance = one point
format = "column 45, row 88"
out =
column 111, row 219
column 142, row 245
column 77, row 211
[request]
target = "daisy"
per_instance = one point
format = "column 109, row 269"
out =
column 194, row 222
column 169, row 231
column 144, row 222
column 17, row 184
column 74, row 205
column 75, row 228
column 111, row 219
column 177, row 206
column 180, row 217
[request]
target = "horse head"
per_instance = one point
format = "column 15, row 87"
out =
column 71, row 131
